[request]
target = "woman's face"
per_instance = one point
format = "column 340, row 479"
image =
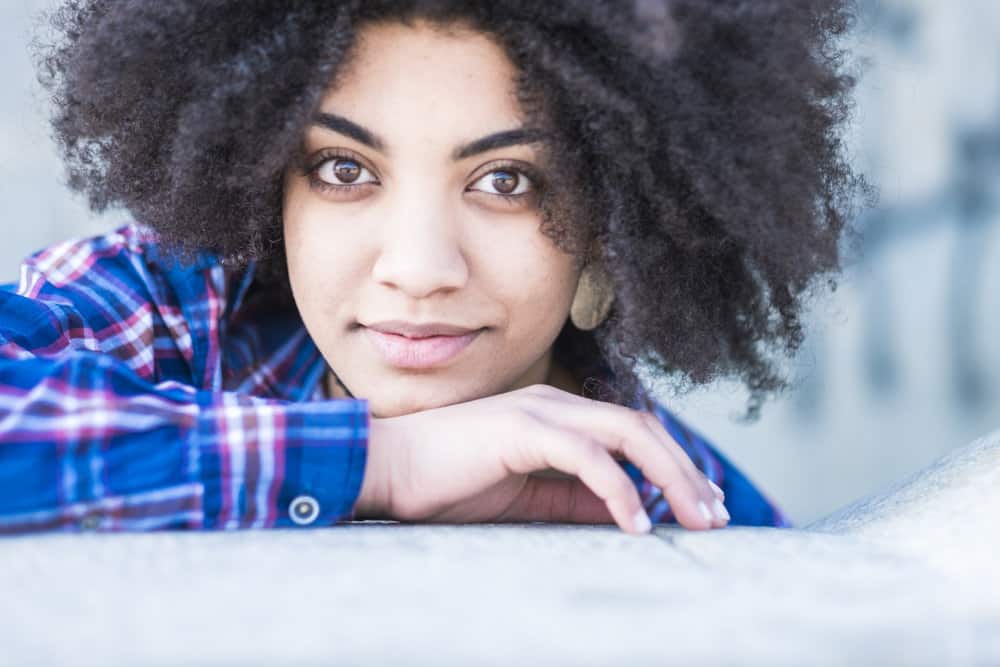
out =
column 421, row 209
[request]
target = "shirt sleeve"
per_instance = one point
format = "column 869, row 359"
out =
column 88, row 442
column 746, row 504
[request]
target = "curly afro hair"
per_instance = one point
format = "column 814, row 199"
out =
column 722, row 192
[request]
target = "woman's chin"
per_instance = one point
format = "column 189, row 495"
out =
column 399, row 394
column 398, row 407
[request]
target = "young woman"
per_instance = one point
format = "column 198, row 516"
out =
column 404, row 259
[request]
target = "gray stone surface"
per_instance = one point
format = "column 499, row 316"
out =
column 903, row 578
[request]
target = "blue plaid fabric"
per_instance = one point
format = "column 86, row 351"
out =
column 140, row 394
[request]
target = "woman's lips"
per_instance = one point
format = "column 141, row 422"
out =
column 418, row 352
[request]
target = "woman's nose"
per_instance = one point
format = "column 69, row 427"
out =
column 420, row 252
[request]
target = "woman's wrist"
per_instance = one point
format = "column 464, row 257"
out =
column 374, row 498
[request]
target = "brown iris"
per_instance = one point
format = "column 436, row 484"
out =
column 505, row 182
column 346, row 171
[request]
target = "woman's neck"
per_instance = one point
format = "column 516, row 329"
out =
column 561, row 378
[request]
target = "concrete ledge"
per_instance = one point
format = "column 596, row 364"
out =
column 904, row 577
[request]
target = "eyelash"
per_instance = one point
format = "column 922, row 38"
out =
column 342, row 154
column 519, row 168
column 329, row 156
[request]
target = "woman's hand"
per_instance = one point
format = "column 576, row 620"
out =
column 473, row 462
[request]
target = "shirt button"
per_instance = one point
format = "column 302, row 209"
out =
column 90, row 522
column 304, row 510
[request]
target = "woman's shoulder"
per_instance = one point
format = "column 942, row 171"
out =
column 121, row 293
column 129, row 239
column 130, row 255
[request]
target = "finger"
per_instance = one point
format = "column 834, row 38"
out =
column 621, row 429
column 659, row 430
column 588, row 460
column 674, row 447
column 707, row 496
column 565, row 500
column 710, row 500
column 671, row 472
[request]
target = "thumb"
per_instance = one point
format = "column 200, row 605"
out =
column 559, row 500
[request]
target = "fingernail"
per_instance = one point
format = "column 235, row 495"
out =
column 720, row 510
column 718, row 491
column 705, row 512
column 641, row 522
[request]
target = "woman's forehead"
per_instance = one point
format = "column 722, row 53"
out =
column 404, row 81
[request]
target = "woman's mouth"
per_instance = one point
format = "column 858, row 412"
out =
column 403, row 352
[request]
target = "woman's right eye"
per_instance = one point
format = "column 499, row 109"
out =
column 343, row 172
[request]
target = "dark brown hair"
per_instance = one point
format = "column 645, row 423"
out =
column 698, row 140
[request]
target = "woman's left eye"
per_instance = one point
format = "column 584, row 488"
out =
column 504, row 182
column 344, row 172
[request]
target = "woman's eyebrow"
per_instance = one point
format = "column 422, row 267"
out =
column 502, row 139
column 515, row 137
column 341, row 125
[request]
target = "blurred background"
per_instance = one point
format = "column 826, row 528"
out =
column 899, row 366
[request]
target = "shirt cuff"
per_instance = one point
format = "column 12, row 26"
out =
column 297, row 465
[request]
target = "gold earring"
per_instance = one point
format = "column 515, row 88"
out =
column 593, row 298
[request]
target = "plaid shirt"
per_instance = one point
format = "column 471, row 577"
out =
column 140, row 394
